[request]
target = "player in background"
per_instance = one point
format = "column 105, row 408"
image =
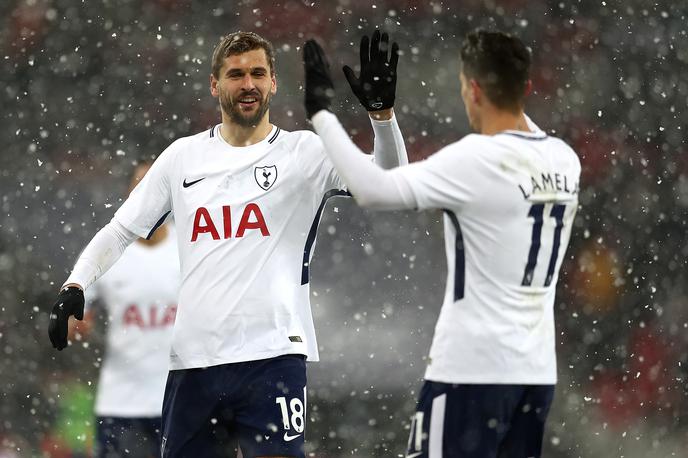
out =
column 509, row 194
column 139, row 300
column 247, row 197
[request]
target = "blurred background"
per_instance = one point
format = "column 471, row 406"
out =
column 90, row 87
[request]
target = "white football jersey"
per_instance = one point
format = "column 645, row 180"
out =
column 139, row 294
column 246, row 220
column 509, row 201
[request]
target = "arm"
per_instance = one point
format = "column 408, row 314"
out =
column 100, row 254
column 143, row 211
column 370, row 185
column 389, row 149
column 424, row 184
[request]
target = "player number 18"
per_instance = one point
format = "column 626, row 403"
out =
column 297, row 413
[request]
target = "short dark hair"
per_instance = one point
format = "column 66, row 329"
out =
column 500, row 63
column 239, row 43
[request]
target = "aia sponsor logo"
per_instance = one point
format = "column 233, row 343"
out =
column 205, row 225
column 150, row 317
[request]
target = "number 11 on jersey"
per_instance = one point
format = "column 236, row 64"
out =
column 537, row 212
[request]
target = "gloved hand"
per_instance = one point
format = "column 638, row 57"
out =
column 376, row 86
column 69, row 302
column 319, row 87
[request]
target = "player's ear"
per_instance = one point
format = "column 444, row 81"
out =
column 273, row 86
column 475, row 92
column 213, row 86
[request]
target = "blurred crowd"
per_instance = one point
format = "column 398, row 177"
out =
column 87, row 88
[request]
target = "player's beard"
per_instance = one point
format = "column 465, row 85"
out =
column 232, row 108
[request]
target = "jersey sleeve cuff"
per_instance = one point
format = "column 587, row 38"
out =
column 383, row 122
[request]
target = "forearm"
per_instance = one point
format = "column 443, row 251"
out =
column 389, row 150
column 370, row 185
column 100, row 254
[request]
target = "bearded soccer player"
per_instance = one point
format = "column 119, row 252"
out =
column 509, row 194
column 139, row 309
column 247, row 197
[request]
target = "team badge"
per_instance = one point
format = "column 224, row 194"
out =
column 265, row 176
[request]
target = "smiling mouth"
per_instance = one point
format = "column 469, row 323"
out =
column 247, row 103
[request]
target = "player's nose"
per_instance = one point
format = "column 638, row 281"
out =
column 248, row 83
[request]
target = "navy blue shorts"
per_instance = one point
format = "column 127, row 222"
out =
column 258, row 405
column 118, row 436
column 479, row 421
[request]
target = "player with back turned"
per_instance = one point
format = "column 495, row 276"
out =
column 509, row 195
column 246, row 197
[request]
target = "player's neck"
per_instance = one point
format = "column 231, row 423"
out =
column 238, row 135
column 496, row 121
column 158, row 236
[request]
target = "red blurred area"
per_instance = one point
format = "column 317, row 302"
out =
column 27, row 26
column 631, row 395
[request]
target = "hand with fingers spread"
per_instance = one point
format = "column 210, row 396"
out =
column 376, row 85
column 319, row 88
column 69, row 302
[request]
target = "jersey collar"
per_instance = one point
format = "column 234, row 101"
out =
column 537, row 135
column 269, row 138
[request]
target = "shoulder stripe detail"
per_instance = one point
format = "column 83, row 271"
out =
column 459, row 258
column 524, row 137
column 212, row 132
column 157, row 225
column 274, row 136
column 310, row 240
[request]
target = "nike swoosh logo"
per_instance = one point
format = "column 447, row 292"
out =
column 413, row 455
column 288, row 438
column 191, row 183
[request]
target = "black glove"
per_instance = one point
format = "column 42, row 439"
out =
column 69, row 302
column 319, row 87
column 376, row 86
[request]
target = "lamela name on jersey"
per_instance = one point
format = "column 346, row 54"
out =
column 548, row 183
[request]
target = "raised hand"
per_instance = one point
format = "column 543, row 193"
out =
column 69, row 302
column 376, row 85
column 318, row 85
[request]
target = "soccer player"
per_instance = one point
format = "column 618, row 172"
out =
column 509, row 195
column 140, row 310
column 247, row 197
